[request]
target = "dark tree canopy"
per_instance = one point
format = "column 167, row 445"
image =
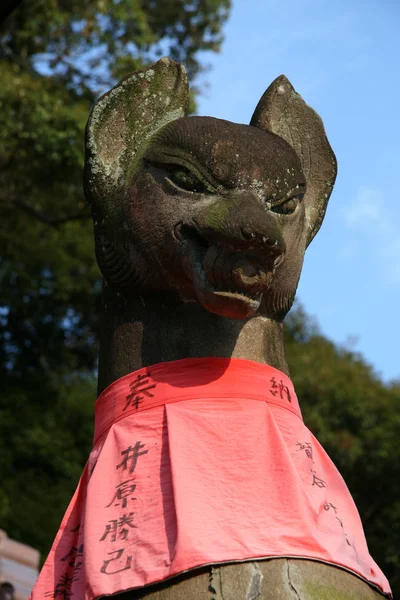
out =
column 7, row 7
column 55, row 57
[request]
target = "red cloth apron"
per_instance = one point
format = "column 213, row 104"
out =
column 197, row 462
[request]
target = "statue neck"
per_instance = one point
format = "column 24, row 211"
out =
column 143, row 331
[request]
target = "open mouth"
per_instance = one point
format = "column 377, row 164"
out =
column 229, row 275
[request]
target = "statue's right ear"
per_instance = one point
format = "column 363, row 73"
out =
column 120, row 123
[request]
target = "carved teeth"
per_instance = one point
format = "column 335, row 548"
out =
column 252, row 296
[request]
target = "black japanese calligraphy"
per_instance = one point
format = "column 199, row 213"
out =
column 119, row 553
column 139, row 389
column 62, row 589
column 329, row 506
column 281, row 389
column 123, row 493
column 344, row 532
column 118, row 527
column 131, row 455
column 317, row 481
column 72, row 555
column 306, row 446
column 74, row 560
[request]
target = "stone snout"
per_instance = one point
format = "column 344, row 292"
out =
column 241, row 222
column 233, row 247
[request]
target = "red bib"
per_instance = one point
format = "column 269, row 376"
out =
column 198, row 462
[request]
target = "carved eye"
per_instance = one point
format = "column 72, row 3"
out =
column 184, row 179
column 288, row 206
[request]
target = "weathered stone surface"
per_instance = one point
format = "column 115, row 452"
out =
column 201, row 227
column 278, row 579
column 164, row 188
column 283, row 111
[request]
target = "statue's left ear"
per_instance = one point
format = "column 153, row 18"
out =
column 283, row 112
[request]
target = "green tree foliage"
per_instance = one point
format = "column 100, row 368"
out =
column 56, row 56
column 89, row 43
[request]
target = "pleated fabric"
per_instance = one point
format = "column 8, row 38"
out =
column 198, row 462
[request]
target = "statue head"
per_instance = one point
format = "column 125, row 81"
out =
column 205, row 209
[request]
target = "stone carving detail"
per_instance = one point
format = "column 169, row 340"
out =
column 201, row 226
column 213, row 211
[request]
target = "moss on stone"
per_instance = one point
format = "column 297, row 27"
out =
column 318, row 591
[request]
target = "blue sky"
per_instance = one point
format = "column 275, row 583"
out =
column 343, row 58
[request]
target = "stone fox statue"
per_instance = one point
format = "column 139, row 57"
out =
column 204, row 482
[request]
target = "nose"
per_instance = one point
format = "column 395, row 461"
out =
column 240, row 221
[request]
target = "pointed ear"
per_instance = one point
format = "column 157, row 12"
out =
column 124, row 118
column 283, row 112
column 119, row 126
